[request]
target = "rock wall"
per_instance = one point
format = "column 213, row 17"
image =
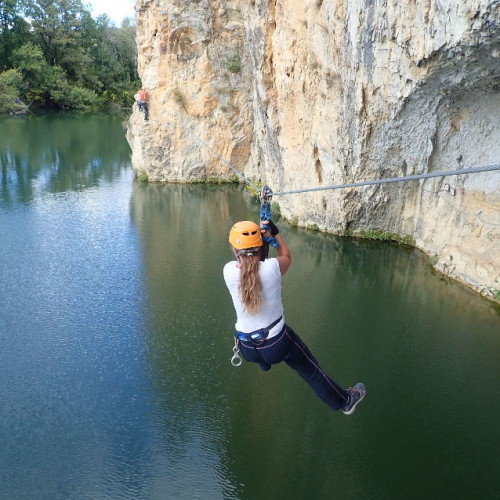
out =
column 311, row 93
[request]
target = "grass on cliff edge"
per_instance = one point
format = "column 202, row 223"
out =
column 142, row 176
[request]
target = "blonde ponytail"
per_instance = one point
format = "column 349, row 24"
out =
column 250, row 284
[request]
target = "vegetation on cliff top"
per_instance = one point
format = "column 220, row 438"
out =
column 53, row 54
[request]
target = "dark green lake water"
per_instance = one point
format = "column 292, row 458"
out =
column 115, row 330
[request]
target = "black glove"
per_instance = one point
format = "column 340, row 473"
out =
column 272, row 227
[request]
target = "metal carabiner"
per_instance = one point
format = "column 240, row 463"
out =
column 236, row 359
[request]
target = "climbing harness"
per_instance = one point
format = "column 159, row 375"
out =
column 257, row 335
column 236, row 359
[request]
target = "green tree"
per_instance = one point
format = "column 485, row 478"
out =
column 66, row 58
column 58, row 28
column 29, row 60
column 123, row 39
column 14, row 29
column 68, row 96
column 114, row 59
column 10, row 85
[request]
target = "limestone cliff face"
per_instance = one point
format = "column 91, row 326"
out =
column 311, row 93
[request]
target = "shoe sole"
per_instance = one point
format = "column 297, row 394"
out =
column 355, row 404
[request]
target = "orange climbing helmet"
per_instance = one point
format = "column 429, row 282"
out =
column 245, row 234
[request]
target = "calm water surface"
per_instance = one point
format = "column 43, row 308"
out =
column 115, row 328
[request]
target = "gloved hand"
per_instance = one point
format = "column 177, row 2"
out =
column 268, row 226
column 272, row 227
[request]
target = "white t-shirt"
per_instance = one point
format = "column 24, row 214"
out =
column 272, row 307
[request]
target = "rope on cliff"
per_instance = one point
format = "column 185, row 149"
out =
column 414, row 177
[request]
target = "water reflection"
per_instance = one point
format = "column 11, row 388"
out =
column 116, row 332
column 370, row 311
column 182, row 231
column 57, row 153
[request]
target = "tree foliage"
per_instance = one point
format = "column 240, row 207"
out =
column 10, row 84
column 64, row 57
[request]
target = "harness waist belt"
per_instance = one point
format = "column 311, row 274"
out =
column 257, row 334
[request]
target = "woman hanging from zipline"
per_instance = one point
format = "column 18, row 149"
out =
column 254, row 283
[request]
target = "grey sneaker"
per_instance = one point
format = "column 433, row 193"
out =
column 356, row 394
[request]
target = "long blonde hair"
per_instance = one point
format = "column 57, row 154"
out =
column 250, row 285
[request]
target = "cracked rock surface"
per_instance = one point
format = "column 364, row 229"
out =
column 322, row 92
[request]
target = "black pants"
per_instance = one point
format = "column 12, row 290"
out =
column 287, row 346
column 143, row 106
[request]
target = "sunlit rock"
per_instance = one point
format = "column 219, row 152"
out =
column 322, row 92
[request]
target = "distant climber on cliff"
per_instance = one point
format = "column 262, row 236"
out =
column 142, row 102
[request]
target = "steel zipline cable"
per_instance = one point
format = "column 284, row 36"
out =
column 468, row 170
